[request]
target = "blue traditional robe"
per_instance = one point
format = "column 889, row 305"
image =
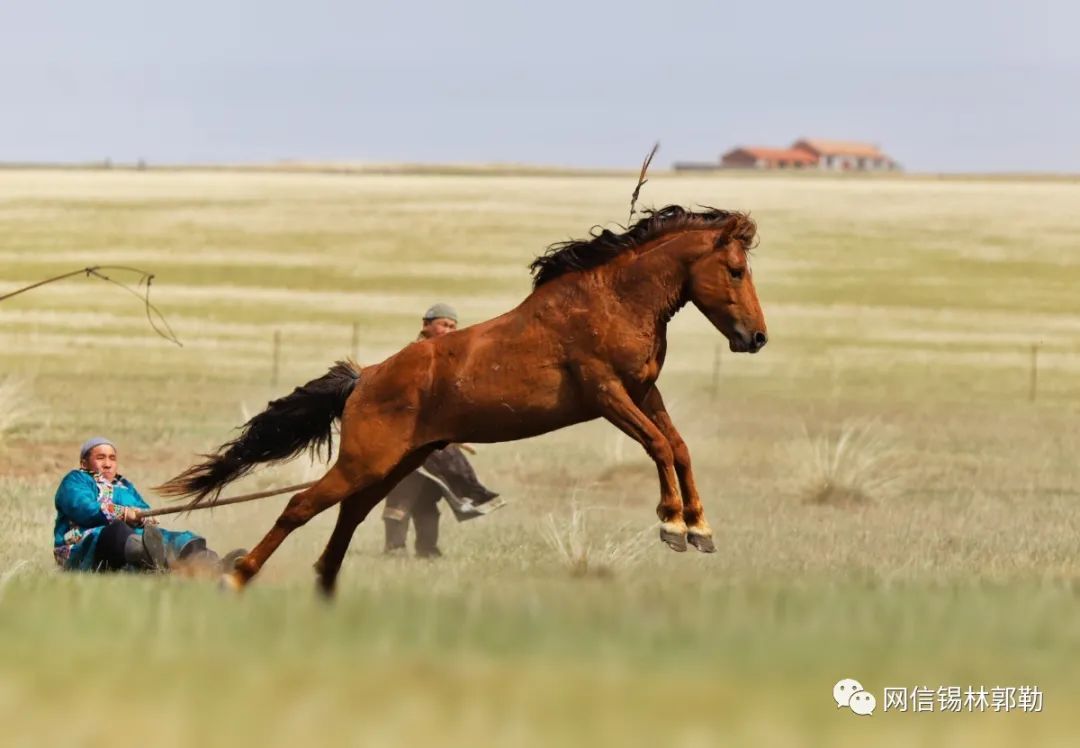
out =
column 86, row 503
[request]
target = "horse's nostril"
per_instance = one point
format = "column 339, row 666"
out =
column 760, row 339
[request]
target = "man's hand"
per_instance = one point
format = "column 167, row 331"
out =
column 132, row 516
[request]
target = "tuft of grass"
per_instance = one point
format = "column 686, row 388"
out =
column 584, row 553
column 10, row 574
column 853, row 463
column 14, row 404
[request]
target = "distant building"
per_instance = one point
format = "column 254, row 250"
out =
column 807, row 153
column 842, row 156
column 760, row 157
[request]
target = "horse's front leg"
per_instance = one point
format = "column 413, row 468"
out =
column 697, row 527
column 617, row 407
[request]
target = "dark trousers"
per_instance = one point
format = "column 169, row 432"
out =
column 109, row 551
column 418, row 498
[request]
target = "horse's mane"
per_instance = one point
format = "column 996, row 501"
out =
column 570, row 256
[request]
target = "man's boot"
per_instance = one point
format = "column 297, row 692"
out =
column 146, row 551
column 397, row 531
column 196, row 556
column 228, row 561
column 427, row 532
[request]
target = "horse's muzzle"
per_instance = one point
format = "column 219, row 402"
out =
column 749, row 343
column 758, row 341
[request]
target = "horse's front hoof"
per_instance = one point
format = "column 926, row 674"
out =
column 703, row 543
column 674, row 539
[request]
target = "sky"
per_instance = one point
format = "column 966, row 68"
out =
column 940, row 86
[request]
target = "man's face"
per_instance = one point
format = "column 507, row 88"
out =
column 101, row 460
column 433, row 328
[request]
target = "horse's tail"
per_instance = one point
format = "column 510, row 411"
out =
column 302, row 419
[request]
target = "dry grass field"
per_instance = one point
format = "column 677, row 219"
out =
column 890, row 504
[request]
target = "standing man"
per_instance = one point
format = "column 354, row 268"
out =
column 445, row 474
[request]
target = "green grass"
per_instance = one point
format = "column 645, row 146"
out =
column 908, row 304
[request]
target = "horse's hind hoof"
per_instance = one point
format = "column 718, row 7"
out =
column 676, row 541
column 703, row 543
column 325, row 589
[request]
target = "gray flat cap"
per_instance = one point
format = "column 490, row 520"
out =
column 441, row 311
column 89, row 444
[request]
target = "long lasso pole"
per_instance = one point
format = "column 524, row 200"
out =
column 223, row 502
column 164, row 330
column 247, row 496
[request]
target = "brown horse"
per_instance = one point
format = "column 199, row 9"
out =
column 588, row 342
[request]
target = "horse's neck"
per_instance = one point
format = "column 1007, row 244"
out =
column 652, row 284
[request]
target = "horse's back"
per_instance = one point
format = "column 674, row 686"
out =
column 499, row 380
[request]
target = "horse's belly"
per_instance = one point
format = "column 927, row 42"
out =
column 508, row 424
column 511, row 425
column 529, row 406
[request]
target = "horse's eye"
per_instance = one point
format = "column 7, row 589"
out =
column 736, row 273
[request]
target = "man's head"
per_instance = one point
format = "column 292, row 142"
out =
column 98, row 455
column 438, row 320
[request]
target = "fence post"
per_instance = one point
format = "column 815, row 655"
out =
column 277, row 359
column 716, row 373
column 1034, row 387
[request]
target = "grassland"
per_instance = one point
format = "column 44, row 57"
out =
column 904, row 309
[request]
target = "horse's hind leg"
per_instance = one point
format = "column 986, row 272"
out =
column 333, row 487
column 350, row 515
column 698, row 531
column 353, row 511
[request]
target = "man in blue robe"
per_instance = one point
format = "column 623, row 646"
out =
column 99, row 524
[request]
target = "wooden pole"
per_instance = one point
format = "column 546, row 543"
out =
column 716, row 373
column 224, row 502
column 1034, row 388
column 276, row 365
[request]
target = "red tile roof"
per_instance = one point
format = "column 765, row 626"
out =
column 839, row 148
column 791, row 155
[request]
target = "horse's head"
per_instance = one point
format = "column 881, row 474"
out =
column 722, row 286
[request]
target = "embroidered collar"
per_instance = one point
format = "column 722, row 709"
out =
column 98, row 479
